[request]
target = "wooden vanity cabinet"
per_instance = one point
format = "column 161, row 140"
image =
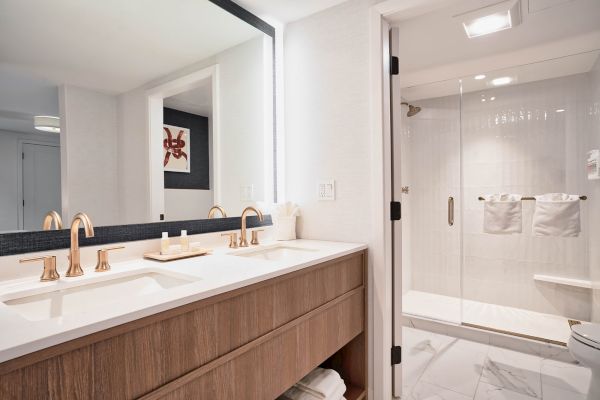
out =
column 250, row 343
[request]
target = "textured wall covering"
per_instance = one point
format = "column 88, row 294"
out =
column 199, row 176
column 517, row 143
column 28, row 242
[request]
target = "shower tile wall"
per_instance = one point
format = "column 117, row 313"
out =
column 430, row 167
column 517, row 143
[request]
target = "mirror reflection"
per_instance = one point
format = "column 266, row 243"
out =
column 131, row 113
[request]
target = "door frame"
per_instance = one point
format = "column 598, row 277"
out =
column 20, row 143
column 382, row 244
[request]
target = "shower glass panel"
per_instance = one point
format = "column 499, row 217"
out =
column 527, row 131
column 430, row 176
column 527, row 136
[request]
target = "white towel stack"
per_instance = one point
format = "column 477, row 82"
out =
column 502, row 214
column 557, row 214
column 320, row 384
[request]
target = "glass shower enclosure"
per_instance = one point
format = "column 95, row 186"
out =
column 526, row 131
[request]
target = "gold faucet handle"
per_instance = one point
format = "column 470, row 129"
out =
column 49, row 273
column 103, row 264
column 254, row 240
column 232, row 239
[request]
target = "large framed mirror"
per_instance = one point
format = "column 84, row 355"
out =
column 133, row 112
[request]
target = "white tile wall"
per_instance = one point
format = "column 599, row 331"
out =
column 516, row 143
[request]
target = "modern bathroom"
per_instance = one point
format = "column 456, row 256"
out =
column 300, row 200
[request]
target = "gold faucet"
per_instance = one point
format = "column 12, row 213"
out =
column 52, row 216
column 247, row 210
column 74, row 254
column 213, row 210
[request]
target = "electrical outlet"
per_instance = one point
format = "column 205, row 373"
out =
column 247, row 193
column 326, row 190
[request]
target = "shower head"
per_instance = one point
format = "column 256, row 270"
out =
column 412, row 110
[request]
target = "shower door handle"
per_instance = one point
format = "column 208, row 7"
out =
column 450, row 211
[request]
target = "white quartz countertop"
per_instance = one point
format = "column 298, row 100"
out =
column 211, row 275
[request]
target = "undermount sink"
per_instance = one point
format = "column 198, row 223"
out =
column 276, row 253
column 89, row 295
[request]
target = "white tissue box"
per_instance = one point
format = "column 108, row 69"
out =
column 284, row 228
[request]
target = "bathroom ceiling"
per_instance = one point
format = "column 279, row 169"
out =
column 100, row 56
column 286, row 11
column 434, row 46
column 196, row 101
column 549, row 69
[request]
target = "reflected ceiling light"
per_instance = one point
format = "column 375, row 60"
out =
column 47, row 123
column 479, row 77
column 560, row 110
column 504, row 80
column 495, row 18
column 492, row 98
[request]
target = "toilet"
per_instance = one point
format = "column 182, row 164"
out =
column 584, row 345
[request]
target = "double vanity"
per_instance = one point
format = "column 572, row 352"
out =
column 239, row 323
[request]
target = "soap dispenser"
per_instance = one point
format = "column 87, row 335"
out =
column 164, row 243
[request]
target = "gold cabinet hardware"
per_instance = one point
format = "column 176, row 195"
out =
column 103, row 264
column 450, row 211
column 214, row 209
column 74, row 254
column 52, row 216
column 248, row 210
column 232, row 239
column 49, row 273
column 254, row 240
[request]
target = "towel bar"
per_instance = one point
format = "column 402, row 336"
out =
column 532, row 198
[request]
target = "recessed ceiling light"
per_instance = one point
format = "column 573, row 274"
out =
column 483, row 100
column 560, row 110
column 46, row 123
column 504, row 80
column 492, row 98
column 495, row 18
column 479, row 77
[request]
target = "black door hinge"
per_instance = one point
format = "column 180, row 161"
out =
column 394, row 66
column 396, row 355
column 395, row 211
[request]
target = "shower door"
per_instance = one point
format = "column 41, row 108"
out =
column 430, row 170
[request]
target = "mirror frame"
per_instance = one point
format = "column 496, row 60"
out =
column 35, row 241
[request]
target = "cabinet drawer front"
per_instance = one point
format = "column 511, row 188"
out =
column 267, row 370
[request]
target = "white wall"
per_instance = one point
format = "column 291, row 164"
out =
column 517, row 144
column 10, row 158
column 593, row 190
column 244, row 95
column 89, row 162
column 327, row 121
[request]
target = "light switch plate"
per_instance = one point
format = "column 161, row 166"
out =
column 247, row 193
column 326, row 190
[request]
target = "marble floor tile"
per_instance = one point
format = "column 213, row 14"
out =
column 427, row 391
column 569, row 377
column 554, row 393
column 512, row 370
column 458, row 367
column 485, row 391
column 419, row 349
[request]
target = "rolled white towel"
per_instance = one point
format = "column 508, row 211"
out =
column 323, row 383
column 299, row 393
column 557, row 214
column 502, row 214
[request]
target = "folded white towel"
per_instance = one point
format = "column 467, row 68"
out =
column 297, row 392
column 556, row 214
column 322, row 382
column 502, row 214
